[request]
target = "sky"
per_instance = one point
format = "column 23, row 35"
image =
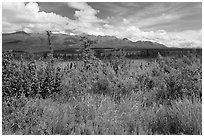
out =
column 176, row 24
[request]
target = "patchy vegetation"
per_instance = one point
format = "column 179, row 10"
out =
column 117, row 96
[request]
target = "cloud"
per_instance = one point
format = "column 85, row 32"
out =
column 164, row 18
column 20, row 16
column 28, row 17
column 80, row 5
column 10, row 27
column 189, row 38
column 86, row 20
column 86, row 13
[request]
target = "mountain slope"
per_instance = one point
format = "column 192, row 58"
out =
column 36, row 42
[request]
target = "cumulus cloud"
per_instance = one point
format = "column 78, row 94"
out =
column 86, row 20
column 85, row 12
column 27, row 17
column 20, row 16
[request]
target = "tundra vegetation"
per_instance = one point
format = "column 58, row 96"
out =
column 110, row 96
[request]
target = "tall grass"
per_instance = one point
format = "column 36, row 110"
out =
column 163, row 96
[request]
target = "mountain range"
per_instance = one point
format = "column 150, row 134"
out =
column 38, row 42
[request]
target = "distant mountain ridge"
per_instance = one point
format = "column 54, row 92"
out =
column 37, row 42
column 18, row 32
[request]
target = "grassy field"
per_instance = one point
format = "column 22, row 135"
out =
column 119, row 96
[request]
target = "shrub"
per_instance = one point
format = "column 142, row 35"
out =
column 39, row 97
column 101, row 87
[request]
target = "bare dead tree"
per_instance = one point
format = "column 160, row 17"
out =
column 49, row 41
